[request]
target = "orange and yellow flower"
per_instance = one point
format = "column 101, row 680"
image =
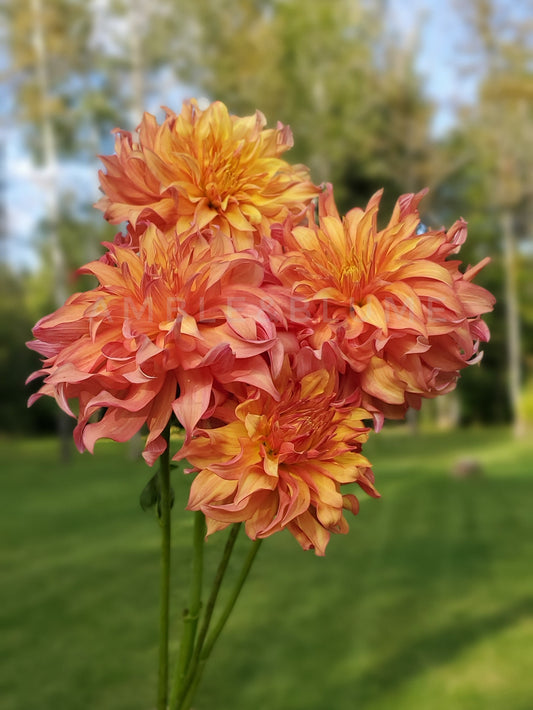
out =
column 270, row 335
column 399, row 312
column 281, row 464
column 174, row 315
column 205, row 168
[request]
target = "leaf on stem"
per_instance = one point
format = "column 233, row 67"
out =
column 151, row 495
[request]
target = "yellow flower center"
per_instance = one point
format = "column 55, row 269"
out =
column 351, row 272
column 307, row 425
column 222, row 176
column 352, row 276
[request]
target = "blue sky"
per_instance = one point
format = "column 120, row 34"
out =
column 441, row 39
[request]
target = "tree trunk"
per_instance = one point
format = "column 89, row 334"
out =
column 512, row 319
column 50, row 187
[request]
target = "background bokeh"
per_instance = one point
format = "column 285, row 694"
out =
column 378, row 94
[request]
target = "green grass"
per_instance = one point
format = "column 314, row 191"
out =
column 427, row 604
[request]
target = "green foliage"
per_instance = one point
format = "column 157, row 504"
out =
column 24, row 299
column 16, row 361
column 151, row 495
column 350, row 95
column 424, row 604
column 75, row 84
column 62, row 26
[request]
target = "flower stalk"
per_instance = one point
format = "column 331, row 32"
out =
column 206, row 643
column 184, row 682
column 254, row 549
column 192, row 614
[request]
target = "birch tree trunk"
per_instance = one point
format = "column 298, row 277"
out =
column 512, row 319
column 50, row 187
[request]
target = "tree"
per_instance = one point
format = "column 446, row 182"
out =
column 351, row 96
column 16, row 361
column 500, row 128
column 49, row 70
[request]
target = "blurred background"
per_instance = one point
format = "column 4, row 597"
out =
column 378, row 93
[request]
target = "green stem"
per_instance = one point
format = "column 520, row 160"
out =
column 254, row 549
column 217, row 583
column 201, row 657
column 185, row 683
column 192, row 614
column 164, row 520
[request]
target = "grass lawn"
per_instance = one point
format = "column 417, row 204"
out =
column 427, row 604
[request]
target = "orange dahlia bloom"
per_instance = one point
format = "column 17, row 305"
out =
column 203, row 168
column 281, row 464
column 165, row 326
column 398, row 311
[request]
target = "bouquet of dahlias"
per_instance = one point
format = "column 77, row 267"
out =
column 239, row 304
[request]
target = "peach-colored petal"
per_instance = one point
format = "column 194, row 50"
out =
column 195, row 394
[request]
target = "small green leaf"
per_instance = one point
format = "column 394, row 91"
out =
column 151, row 493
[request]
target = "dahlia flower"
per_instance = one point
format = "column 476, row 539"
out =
column 173, row 315
column 204, row 168
column 402, row 317
column 281, row 464
column 272, row 337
